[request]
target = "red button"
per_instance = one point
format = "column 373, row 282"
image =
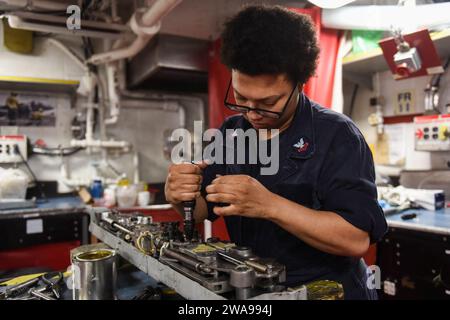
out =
column 419, row 134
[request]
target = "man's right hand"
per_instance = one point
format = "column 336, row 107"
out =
column 183, row 182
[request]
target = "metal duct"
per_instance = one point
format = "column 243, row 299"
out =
column 170, row 63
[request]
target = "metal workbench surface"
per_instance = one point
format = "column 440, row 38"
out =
column 50, row 205
column 437, row 222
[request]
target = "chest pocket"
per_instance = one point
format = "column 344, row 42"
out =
column 301, row 193
column 301, row 186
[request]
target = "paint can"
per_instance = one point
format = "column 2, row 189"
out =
column 94, row 275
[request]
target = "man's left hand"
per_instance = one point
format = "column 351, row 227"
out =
column 245, row 195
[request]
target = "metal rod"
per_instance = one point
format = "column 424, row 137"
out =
column 197, row 265
column 20, row 288
column 116, row 225
column 230, row 259
column 40, row 295
column 255, row 265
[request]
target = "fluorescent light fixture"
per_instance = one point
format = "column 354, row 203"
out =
column 330, row 4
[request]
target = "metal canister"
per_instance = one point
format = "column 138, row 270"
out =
column 94, row 275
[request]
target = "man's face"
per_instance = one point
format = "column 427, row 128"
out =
column 268, row 92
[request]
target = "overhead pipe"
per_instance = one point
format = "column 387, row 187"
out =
column 89, row 123
column 137, row 177
column 36, row 4
column 111, row 69
column 120, row 92
column 171, row 103
column 160, row 97
column 68, row 52
column 166, row 105
column 91, row 143
column 17, row 21
column 127, row 52
column 145, row 24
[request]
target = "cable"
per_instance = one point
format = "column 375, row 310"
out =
column 56, row 152
column 17, row 151
column 352, row 101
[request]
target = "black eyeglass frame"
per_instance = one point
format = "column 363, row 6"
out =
column 244, row 109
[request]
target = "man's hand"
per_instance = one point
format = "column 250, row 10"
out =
column 183, row 182
column 245, row 195
column 248, row 197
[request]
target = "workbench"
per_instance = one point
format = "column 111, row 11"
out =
column 436, row 222
column 414, row 256
column 43, row 251
column 26, row 242
column 42, row 236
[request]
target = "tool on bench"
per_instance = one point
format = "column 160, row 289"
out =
column 30, row 289
column 189, row 221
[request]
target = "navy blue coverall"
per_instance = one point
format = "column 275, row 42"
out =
column 325, row 164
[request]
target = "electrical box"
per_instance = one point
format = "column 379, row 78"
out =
column 7, row 148
column 432, row 133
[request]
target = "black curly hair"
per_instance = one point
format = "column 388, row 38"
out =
column 266, row 39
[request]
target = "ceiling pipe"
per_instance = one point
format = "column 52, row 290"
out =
column 163, row 105
column 68, row 52
column 145, row 24
column 53, row 24
column 142, row 96
column 114, row 101
column 36, row 4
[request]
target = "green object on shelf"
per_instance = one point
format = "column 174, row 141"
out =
column 17, row 40
column 365, row 40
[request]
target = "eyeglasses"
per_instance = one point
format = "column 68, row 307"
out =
column 262, row 112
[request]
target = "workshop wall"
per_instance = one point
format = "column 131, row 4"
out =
column 389, row 90
column 143, row 127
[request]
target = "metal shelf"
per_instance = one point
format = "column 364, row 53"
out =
column 38, row 84
column 359, row 67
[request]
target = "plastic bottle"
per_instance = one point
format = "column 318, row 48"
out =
column 97, row 189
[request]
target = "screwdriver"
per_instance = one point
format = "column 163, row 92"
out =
column 189, row 223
